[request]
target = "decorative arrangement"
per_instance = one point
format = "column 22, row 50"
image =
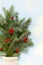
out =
column 15, row 35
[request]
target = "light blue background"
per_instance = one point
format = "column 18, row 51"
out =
column 33, row 9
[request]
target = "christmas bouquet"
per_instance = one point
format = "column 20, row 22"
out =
column 15, row 34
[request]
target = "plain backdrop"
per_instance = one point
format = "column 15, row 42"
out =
column 34, row 10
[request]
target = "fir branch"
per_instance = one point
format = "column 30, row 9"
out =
column 16, row 33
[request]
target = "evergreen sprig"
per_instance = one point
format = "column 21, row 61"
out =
column 15, row 33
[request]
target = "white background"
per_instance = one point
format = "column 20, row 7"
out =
column 33, row 9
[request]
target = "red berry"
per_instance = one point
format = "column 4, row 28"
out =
column 17, row 50
column 6, row 40
column 1, row 49
column 12, row 18
column 11, row 31
column 25, row 39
